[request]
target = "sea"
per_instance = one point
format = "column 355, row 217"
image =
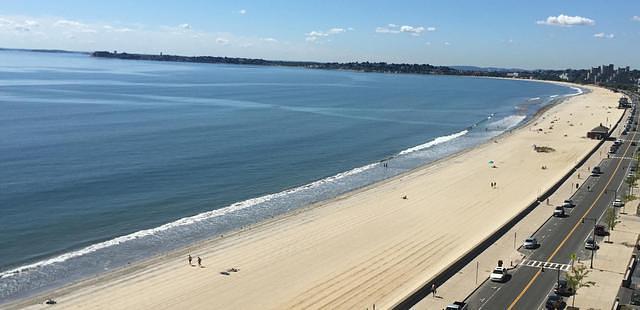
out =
column 105, row 162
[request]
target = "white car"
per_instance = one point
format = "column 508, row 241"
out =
column 558, row 211
column 618, row 203
column 499, row 274
column 530, row 243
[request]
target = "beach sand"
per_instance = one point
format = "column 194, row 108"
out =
column 366, row 247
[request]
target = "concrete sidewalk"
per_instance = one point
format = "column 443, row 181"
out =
column 473, row 274
column 610, row 265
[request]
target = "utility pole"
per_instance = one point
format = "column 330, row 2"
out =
column 595, row 244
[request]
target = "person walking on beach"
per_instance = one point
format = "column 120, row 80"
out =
column 199, row 262
column 433, row 289
column 189, row 258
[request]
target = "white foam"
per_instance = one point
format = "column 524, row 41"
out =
column 436, row 141
column 183, row 222
column 578, row 91
column 534, row 98
column 553, row 96
column 507, row 122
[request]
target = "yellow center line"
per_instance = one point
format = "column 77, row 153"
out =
column 526, row 288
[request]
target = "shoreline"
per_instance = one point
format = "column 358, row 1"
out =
column 283, row 217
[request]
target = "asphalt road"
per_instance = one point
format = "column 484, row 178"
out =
column 529, row 284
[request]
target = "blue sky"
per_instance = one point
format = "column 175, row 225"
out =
column 522, row 34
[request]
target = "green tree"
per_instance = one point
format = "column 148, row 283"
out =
column 577, row 278
column 611, row 219
column 573, row 257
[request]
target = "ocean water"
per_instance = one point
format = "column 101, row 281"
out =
column 104, row 162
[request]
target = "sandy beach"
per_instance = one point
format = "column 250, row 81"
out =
column 367, row 247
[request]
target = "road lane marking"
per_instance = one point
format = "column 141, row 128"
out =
column 537, row 274
column 548, row 265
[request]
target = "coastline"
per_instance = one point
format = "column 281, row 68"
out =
column 324, row 204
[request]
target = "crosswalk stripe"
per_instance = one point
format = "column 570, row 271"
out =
column 547, row 265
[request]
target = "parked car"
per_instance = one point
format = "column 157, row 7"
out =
column 568, row 203
column 617, row 142
column 596, row 171
column 558, row 211
column 618, row 203
column 555, row 302
column 562, row 288
column 457, row 305
column 530, row 243
column 591, row 244
column 601, row 230
column 634, row 142
column 499, row 274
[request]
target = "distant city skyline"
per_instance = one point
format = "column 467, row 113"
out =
column 528, row 35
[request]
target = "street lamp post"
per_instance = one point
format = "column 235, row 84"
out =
column 593, row 248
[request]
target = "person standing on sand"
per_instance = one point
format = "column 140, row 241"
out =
column 433, row 289
column 189, row 258
column 199, row 261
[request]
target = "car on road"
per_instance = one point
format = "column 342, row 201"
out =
column 562, row 288
column 600, row 230
column 591, row 244
column 618, row 203
column 634, row 143
column 596, row 171
column 457, row 305
column 558, row 211
column 530, row 243
column 555, row 302
column 499, row 274
column 568, row 203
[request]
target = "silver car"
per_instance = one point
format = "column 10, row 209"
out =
column 530, row 243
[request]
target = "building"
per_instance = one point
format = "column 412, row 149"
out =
column 599, row 133
column 623, row 103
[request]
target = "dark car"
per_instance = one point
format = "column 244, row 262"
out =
column 562, row 288
column 601, row 230
column 555, row 302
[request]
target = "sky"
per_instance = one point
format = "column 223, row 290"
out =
column 542, row 34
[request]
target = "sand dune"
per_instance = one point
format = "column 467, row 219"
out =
column 367, row 247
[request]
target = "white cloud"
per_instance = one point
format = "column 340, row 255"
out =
column 566, row 21
column 317, row 34
column 184, row 26
column 636, row 18
column 269, row 40
column 602, row 35
column 69, row 23
column 412, row 30
column 447, row 43
column 18, row 25
column 222, row 41
column 242, row 12
column 313, row 36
